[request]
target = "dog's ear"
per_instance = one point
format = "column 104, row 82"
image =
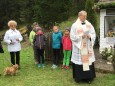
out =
column 16, row 66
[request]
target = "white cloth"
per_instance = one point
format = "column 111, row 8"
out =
column 77, row 42
column 12, row 35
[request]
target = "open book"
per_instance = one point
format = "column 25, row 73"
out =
column 86, row 33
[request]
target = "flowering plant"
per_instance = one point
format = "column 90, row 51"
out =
column 111, row 34
column 108, row 54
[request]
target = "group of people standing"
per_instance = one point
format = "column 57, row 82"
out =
column 38, row 41
column 78, row 40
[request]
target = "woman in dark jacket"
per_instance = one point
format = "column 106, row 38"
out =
column 39, row 43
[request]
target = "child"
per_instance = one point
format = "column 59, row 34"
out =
column 31, row 38
column 39, row 43
column 56, row 44
column 67, row 47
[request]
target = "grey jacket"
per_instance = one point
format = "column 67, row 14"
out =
column 39, row 41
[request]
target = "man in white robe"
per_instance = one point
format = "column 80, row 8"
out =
column 80, row 30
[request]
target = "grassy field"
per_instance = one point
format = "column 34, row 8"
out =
column 31, row 75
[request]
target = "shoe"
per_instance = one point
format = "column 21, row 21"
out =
column 67, row 67
column 39, row 65
column 43, row 66
column 63, row 66
column 36, row 63
column 54, row 66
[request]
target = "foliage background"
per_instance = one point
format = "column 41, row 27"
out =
column 45, row 12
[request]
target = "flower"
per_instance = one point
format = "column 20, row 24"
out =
column 108, row 54
column 111, row 34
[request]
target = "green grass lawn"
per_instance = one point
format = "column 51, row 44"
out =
column 30, row 75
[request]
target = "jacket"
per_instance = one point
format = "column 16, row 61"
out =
column 39, row 41
column 31, row 36
column 11, row 36
column 56, row 40
column 66, row 42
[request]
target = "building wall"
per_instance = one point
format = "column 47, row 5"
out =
column 103, row 43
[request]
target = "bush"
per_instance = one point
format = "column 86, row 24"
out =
column 108, row 54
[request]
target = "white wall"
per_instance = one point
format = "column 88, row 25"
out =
column 103, row 43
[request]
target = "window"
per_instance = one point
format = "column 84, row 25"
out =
column 109, row 26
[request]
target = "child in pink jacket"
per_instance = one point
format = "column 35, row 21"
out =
column 67, row 48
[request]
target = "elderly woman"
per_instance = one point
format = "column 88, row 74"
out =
column 83, row 37
column 13, row 38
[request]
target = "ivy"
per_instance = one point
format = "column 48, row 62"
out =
column 105, row 5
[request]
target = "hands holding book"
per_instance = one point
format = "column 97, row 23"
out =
column 86, row 35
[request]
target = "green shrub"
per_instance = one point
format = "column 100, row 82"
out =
column 108, row 54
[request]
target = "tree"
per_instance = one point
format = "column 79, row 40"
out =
column 8, row 11
column 77, row 5
column 27, row 11
column 92, row 16
column 52, row 11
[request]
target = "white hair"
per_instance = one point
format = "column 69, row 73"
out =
column 12, row 22
column 82, row 12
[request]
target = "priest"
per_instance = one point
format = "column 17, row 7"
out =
column 83, row 38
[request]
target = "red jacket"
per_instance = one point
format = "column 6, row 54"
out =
column 67, row 44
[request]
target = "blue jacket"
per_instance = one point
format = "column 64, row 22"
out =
column 56, row 40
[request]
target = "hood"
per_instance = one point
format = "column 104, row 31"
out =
column 39, row 33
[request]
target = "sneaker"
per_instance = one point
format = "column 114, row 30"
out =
column 63, row 66
column 39, row 65
column 54, row 66
column 67, row 67
column 36, row 63
column 43, row 66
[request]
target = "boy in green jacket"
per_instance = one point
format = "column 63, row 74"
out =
column 31, row 37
